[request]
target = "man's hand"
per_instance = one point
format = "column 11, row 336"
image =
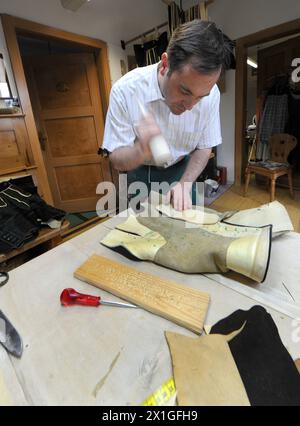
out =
column 131, row 157
column 146, row 129
column 179, row 196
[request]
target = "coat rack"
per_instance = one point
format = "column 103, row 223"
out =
column 203, row 5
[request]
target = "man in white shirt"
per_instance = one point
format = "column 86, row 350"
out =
column 181, row 94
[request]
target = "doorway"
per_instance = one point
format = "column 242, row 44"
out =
column 63, row 83
column 64, row 91
column 243, row 45
column 274, row 99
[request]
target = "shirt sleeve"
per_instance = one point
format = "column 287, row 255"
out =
column 119, row 130
column 211, row 135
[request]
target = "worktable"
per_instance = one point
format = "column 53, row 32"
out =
column 117, row 356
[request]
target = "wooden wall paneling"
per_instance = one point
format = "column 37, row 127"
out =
column 15, row 152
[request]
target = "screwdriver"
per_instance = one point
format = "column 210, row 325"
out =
column 70, row 297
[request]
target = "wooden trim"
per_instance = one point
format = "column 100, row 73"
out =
column 269, row 34
column 104, row 77
column 282, row 30
column 35, row 28
column 11, row 115
column 240, row 108
column 44, row 236
column 11, row 27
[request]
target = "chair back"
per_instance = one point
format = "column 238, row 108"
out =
column 280, row 147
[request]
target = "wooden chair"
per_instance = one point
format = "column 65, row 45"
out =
column 280, row 147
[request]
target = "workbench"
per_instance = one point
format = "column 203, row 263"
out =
column 117, row 356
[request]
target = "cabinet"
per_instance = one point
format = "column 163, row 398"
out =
column 15, row 151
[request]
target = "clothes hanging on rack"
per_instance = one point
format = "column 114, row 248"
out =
column 274, row 116
column 176, row 16
column 150, row 52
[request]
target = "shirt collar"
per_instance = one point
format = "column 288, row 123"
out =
column 154, row 93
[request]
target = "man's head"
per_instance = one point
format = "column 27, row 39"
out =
column 192, row 65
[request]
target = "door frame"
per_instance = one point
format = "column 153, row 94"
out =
column 12, row 26
column 242, row 44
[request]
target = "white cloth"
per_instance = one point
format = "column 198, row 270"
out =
column 196, row 129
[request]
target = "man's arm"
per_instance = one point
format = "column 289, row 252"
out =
column 180, row 194
column 130, row 157
column 127, row 158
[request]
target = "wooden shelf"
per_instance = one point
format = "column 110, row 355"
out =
column 17, row 169
column 12, row 115
column 45, row 235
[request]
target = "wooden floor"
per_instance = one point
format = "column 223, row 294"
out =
column 257, row 195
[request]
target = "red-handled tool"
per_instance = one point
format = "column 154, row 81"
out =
column 70, row 297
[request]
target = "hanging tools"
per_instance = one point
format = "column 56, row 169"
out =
column 70, row 297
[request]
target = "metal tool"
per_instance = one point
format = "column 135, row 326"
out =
column 3, row 278
column 9, row 337
column 70, row 297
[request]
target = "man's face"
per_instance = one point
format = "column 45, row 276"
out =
column 183, row 89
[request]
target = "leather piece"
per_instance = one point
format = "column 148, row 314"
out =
column 268, row 372
column 194, row 249
column 205, row 372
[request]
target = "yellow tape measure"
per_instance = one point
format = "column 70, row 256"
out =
column 162, row 395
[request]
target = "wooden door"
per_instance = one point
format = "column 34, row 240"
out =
column 65, row 96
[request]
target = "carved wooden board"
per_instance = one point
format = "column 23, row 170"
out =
column 180, row 304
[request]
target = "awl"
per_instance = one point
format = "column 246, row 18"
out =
column 70, row 297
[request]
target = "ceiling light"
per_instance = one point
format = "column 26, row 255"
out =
column 73, row 5
column 252, row 63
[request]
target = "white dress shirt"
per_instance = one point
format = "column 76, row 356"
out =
column 196, row 129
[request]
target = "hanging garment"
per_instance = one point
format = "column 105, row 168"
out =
column 175, row 17
column 206, row 249
column 274, row 116
column 150, row 52
column 267, row 370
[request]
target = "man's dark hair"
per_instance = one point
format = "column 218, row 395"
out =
column 201, row 44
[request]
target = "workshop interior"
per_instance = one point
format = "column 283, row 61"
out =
column 149, row 203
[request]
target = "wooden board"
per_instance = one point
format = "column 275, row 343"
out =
column 180, row 304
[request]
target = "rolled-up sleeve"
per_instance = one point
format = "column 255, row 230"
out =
column 119, row 131
column 211, row 135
